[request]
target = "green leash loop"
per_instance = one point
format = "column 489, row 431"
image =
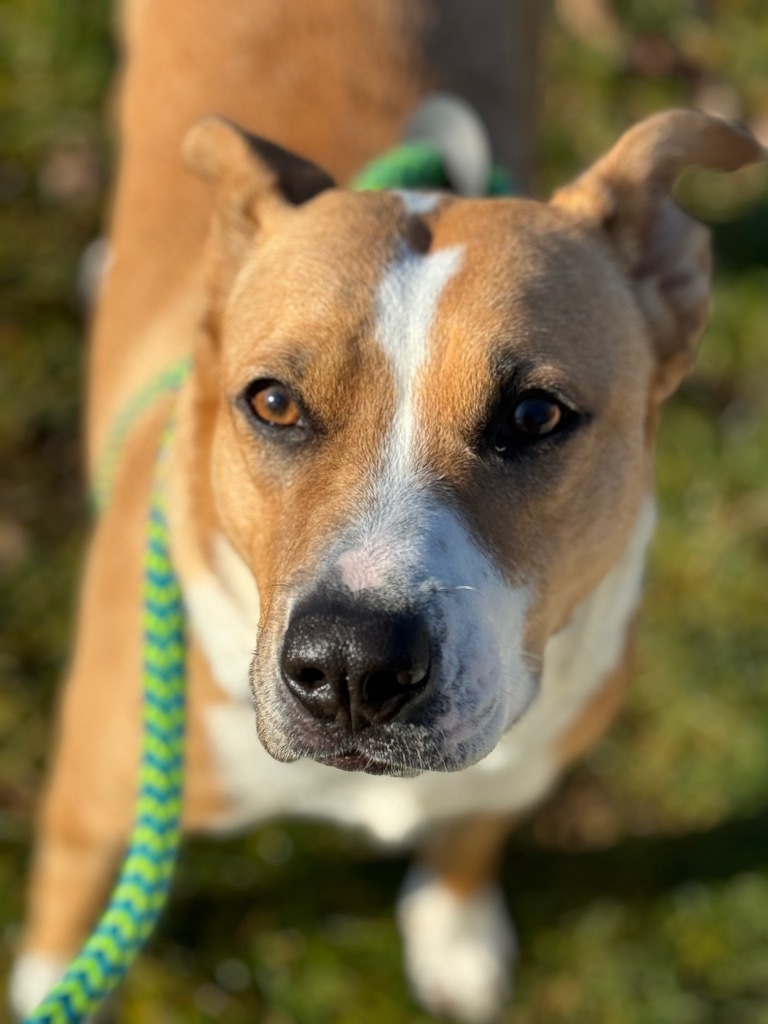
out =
column 419, row 165
column 142, row 887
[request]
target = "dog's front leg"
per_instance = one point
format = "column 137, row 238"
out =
column 458, row 938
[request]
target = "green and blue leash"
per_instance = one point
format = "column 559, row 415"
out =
column 142, row 887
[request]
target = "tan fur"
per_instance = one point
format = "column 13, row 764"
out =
column 588, row 728
column 186, row 61
column 466, row 855
column 290, row 294
column 627, row 195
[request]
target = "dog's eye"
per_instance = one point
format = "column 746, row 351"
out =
column 537, row 415
column 533, row 417
column 274, row 405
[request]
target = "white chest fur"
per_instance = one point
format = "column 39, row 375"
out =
column 514, row 776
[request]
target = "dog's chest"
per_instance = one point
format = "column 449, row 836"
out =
column 514, row 776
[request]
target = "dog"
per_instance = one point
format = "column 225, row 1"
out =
column 412, row 464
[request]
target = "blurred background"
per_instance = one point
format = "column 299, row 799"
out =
column 641, row 889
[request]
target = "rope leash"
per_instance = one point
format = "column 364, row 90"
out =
column 168, row 380
column 140, row 892
column 142, row 886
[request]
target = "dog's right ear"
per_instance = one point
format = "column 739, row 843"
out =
column 627, row 198
column 255, row 181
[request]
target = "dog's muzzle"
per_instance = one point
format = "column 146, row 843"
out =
column 353, row 667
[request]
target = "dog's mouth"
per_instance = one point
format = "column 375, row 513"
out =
column 355, row 760
column 397, row 750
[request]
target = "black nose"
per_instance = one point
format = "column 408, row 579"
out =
column 355, row 665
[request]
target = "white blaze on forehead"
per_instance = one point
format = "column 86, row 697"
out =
column 418, row 202
column 415, row 551
column 406, row 306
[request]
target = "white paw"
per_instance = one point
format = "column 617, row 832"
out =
column 459, row 953
column 32, row 978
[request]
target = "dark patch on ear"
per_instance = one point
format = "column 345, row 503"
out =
column 247, row 167
column 255, row 181
column 417, row 234
column 677, row 279
column 297, row 179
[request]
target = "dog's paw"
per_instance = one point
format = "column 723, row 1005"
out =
column 32, row 978
column 459, row 953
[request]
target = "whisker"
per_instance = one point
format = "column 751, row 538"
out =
column 532, row 660
column 451, row 590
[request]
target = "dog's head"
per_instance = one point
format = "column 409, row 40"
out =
column 429, row 426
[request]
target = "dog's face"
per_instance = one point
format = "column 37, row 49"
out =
column 432, row 429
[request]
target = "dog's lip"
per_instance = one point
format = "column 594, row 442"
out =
column 356, row 761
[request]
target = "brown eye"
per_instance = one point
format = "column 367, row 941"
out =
column 532, row 417
column 537, row 416
column 274, row 405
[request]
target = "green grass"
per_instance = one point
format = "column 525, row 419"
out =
column 640, row 891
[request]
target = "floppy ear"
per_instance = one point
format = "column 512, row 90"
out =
column 255, row 180
column 627, row 196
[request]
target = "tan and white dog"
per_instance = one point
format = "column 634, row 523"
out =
column 412, row 466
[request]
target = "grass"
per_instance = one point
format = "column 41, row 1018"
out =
column 640, row 890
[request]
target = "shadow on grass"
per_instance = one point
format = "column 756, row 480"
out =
column 544, row 882
column 637, row 869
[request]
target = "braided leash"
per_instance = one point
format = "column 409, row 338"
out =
column 168, row 380
column 141, row 889
column 142, row 886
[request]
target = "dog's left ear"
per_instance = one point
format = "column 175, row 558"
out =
column 627, row 196
column 255, row 181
